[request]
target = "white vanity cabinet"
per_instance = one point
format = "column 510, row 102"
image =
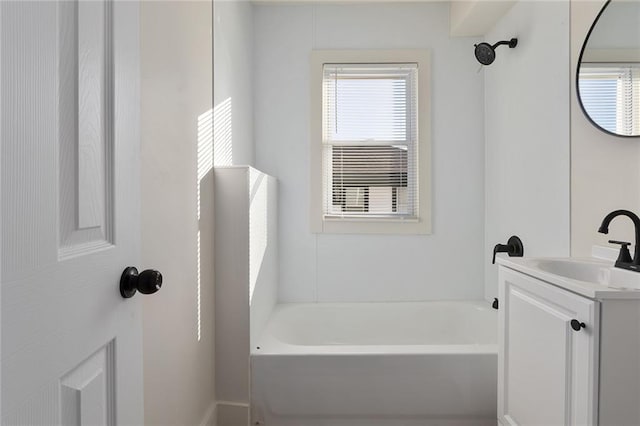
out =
column 546, row 369
column 553, row 372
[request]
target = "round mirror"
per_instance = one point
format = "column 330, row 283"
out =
column 609, row 69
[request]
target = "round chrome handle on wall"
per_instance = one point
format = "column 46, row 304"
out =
column 577, row 325
column 148, row 281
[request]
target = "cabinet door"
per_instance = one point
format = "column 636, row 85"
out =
column 547, row 371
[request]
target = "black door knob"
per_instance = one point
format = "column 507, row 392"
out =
column 577, row 325
column 146, row 282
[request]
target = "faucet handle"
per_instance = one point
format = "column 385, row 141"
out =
column 624, row 256
column 622, row 243
column 513, row 248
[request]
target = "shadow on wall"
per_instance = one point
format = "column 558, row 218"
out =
column 258, row 226
column 263, row 250
column 222, row 134
column 204, row 185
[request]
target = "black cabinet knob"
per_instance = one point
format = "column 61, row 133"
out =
column 146, row 282
column 577, row 325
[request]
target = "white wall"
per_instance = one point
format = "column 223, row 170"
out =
column 176, row 173
column 233, row 84
column 604, row 169
column 232, row 284
column 527, row 133
column 473, row 17
column 445, row 265
column 263, row 251
column 233, row 145
column 246, row 277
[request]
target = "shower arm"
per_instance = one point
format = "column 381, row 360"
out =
column 511, row 43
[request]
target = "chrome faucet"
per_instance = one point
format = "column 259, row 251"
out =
column 624, row 258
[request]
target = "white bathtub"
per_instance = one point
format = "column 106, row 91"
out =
column 376, row 364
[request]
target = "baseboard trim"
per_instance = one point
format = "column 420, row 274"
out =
column 233, row 404
column 211, row 415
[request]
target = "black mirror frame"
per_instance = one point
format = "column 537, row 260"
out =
column 584, row 111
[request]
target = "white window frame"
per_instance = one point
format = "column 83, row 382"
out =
column 363, row 225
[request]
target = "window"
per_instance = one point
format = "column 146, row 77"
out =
column 369, row 120
column 370, row 142
column 610, row 93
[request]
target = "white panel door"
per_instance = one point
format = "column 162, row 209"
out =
column 71, row 345
column 546, row 370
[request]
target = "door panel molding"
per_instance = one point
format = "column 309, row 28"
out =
column 86, row 127
column 87, row 393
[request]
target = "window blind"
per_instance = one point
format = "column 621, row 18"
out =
column 610, row 94
column 370, row 145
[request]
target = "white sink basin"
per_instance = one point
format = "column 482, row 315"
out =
column 590, row 270
column 577, row 269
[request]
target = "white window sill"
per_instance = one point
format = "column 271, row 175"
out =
column 374, row 226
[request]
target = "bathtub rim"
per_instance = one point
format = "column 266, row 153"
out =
column 268, row 345
column 283, row 349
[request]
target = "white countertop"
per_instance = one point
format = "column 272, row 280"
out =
column 591, row 290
